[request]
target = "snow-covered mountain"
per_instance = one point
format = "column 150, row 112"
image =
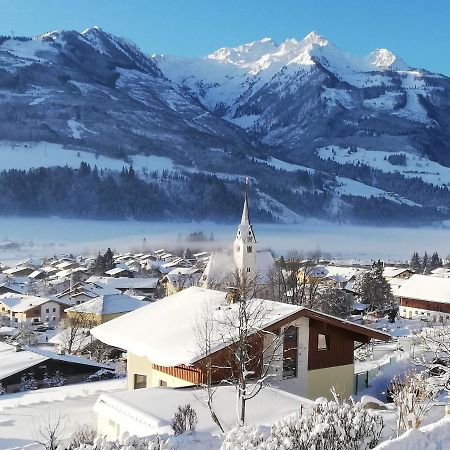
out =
column 95, row 90
column 301, row 95
column 326, row 121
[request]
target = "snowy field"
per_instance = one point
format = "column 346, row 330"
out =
column 48, row 236
column 25, row 156
column 416, row 166
column 23, row 414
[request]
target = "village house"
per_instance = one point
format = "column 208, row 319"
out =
column 17, row 362
column 425, row 296
column 104, row 308
column 19, row 309
column 181, row 278
column 150, row 287
column 163, row 350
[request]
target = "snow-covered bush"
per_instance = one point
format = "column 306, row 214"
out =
column 28, row 383
column 414, row 396
column 185, row 419
column 247, row 438
column 101, row 375
column 327, row 426
column 84, row 435
column 55, row 380
column 129, row 443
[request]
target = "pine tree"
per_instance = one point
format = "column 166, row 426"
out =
column 435, row 261
column 415, row 262
column 373, row 288
column 108, row 259
column 425, row 263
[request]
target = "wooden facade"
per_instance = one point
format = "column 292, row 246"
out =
column 340, row 346
column 340, row 337
column 425, row 304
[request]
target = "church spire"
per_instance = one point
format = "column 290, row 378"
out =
column 245, row 220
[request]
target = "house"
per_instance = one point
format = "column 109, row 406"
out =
column 163, row 348
column 149, row 287
column 180, row 278
column 119, row 272
column 106, row 307
column 19, row 271
column 425, row 296
column 20, row 309
column 83, row 291
column 17, row 362
column 402, row 273
column 150, row 411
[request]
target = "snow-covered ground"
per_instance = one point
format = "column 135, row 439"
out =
column 25, row 156
column 48, row 236
column 23, row 414
column 416, row 166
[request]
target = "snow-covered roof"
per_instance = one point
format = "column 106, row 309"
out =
column 391, row 272
column 14, row 270
column 22, row 303
column 108, row 304
column 165, row 331
column 13, row 361
column 147, row 411
column 117, row 270
column 125, row 283
column 425, row 287
column 12, row 287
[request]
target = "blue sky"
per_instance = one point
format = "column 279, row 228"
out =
column 416, row 30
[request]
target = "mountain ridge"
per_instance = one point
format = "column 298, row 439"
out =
column 303, row 107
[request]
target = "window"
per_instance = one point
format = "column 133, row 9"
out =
column 290, row 352
column 47, row 319
column 54, row 309
column 249, row 249
column 323, row 342
column 53, row 318
column 248, row 269
column 163, row 383
column 140, row 381
column 36, row 319
column 47, row 310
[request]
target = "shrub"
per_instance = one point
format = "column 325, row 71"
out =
column 185, row 419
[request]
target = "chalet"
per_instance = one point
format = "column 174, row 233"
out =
column 20, row 309
column 17, row 362
column 119, row 272
column 149, row 287
column 19, row 271
column 163, row 349
column 106, row 307
column 403, row 273
column 180, row 278
column 425, row 296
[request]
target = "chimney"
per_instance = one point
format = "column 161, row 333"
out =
column 232, row 295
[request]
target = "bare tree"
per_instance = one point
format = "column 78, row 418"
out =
column 252, row 349
column 50, row 432
column 204, row 331
column 74, row 332
column 294, row 280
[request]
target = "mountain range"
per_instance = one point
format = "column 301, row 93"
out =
column 320, row 132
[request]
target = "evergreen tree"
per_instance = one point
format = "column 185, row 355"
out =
column 336, row 302
column 425, row 263
column 435, row 261
column 108, row 259
column 415, row 263
column 373, row 288
column 98, row 266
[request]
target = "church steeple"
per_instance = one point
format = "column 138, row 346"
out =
column 245, row 220
column 245, row 241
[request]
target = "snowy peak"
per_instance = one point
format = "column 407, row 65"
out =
column 245, row 54
column 384, row 59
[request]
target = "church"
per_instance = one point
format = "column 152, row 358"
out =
column 246, row 259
